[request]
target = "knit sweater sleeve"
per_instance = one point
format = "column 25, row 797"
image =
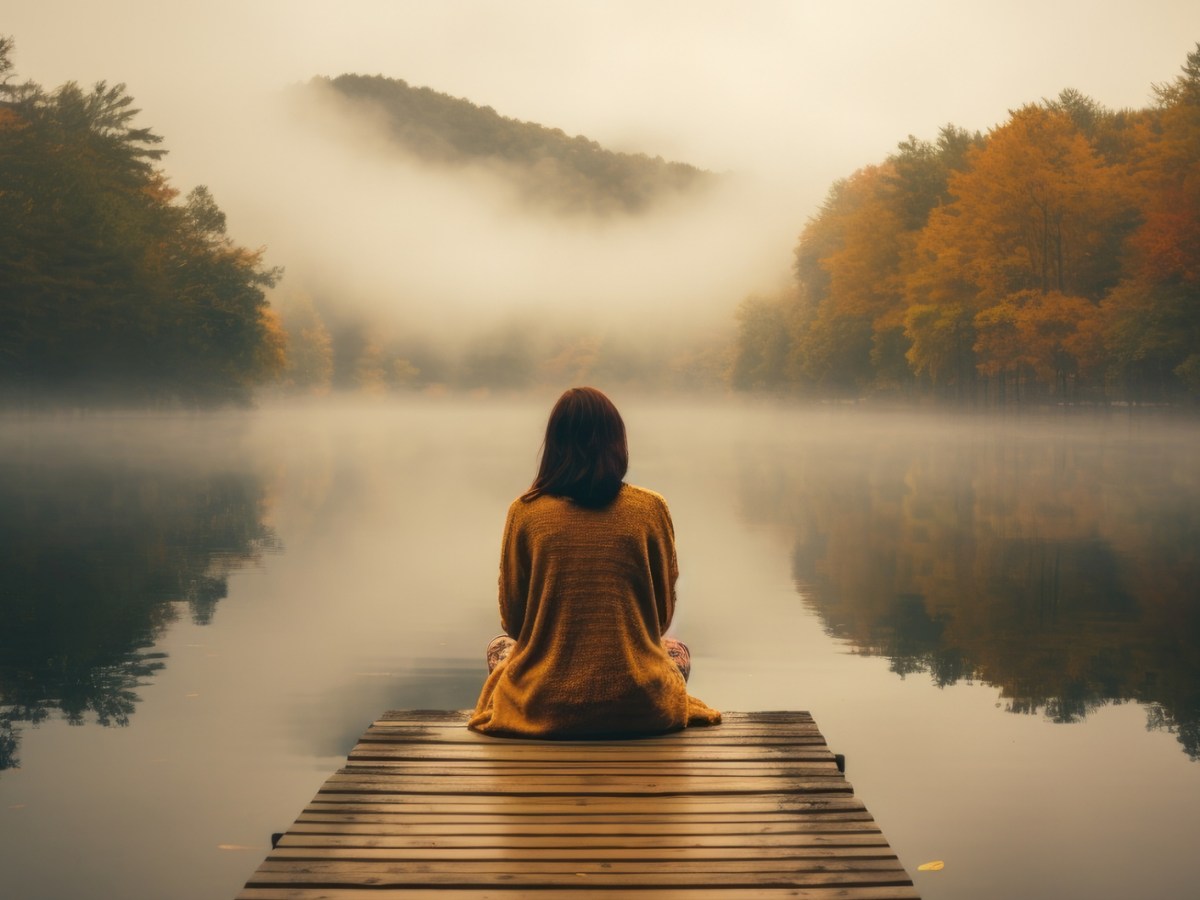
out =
column 514, row 575
column 664, row 567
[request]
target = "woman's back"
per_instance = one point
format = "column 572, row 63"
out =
column 587, row 593
column 587, row 589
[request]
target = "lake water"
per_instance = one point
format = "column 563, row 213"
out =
column 997, row 622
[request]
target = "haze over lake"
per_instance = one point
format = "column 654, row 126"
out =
column 402, row 228
column 996, row 621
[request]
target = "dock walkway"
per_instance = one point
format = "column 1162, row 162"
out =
column 754, row 809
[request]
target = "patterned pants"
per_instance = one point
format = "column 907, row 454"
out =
column 502, row 645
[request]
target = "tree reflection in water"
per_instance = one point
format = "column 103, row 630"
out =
column 95, row 552
column 1062, row 570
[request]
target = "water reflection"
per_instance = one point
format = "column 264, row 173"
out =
column 99, row 552
column 1060, row 567
column 331, row 724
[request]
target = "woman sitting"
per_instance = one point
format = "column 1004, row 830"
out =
column 587, row 589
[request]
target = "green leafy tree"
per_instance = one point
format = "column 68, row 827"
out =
column 761, row 357
column 109, row 289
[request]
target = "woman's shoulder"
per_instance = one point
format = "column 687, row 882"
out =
column 640, row 496
column 631, row 497
column 541, row 506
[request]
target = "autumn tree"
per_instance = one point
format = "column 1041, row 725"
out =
column 921, row 170
column 1032, row 336
column 841, row 252
column 863, row 305
column 1059, row 255
column 1036, row 210
column 1153, row 316
column 763, row 344
column 853, row 259
column 1033, row 210
column 111, row 289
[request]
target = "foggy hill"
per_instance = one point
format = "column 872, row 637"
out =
column 546, row 166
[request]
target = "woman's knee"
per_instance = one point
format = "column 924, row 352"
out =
column 498, row 649
column 680, row 655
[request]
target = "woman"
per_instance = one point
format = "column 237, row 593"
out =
column 587, row 588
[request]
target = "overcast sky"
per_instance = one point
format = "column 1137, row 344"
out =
column 789, row 94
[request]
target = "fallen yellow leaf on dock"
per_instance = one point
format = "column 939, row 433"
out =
column 936, row 866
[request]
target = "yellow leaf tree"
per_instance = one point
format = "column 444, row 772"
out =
column 1035, row 219
column 1152, row 319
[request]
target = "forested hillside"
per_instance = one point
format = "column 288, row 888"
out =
column 550, row 168
column 111, row 290
column 1056, row 256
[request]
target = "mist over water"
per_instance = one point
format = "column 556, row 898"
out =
column 996, row 620
column 982, row 614
column 780, row 103
column 449, row 251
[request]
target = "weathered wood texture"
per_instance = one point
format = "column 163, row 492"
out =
column 753, row 809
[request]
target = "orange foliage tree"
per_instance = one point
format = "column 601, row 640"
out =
column 1153, row 317
column 1040, row 335
column 852, row 261
column 1060, row 254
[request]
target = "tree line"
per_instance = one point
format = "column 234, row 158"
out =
column 112, row 287
column 1056, row 257
column 333, row 350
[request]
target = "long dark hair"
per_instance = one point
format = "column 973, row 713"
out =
column 585, row 455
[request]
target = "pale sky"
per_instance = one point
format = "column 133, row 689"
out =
column 791, row 95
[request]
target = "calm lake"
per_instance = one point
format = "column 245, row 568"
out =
column 997, row 621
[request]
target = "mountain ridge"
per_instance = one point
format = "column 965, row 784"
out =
column 550, row 169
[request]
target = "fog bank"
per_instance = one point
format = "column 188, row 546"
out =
column 784, row 96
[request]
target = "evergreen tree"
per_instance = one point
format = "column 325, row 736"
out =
column 109, row 289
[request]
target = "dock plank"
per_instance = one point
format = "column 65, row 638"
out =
column 576, row 893
column 755, row 808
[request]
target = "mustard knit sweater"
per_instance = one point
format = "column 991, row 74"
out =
column 587, row 594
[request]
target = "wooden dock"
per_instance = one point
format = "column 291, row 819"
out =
column 752, row 809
